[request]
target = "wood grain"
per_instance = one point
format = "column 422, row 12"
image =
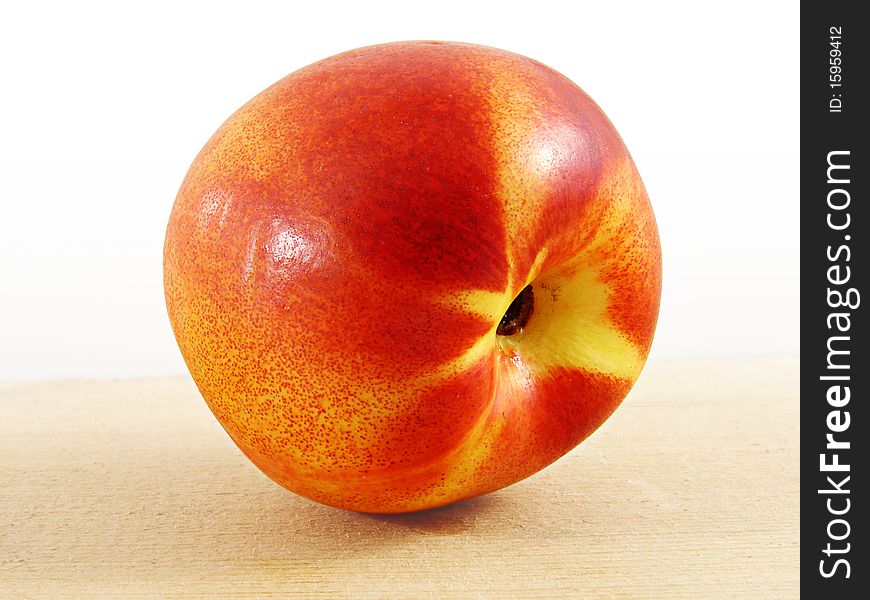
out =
column 131, row 488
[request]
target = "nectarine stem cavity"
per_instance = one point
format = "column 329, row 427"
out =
column 518, row 313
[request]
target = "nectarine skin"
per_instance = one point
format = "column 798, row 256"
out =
column 342, row 250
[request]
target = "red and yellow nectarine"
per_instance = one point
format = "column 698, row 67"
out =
column 413, row 273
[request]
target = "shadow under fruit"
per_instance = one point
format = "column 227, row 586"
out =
column 413, row 273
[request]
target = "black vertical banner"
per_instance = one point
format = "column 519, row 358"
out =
column 835, row 369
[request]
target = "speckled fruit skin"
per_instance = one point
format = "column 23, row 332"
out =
column 342, row 250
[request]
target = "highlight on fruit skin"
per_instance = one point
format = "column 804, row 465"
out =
column 413, row 273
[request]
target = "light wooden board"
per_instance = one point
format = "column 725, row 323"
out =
column 119, row 488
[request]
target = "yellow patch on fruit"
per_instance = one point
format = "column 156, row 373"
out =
column 486, row 304
column 569, row 328
column 489, row 306
column 570, row 325
column 484, row 346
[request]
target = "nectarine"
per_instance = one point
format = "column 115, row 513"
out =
column 413, row 273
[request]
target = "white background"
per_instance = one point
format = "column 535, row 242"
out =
column 103, row 107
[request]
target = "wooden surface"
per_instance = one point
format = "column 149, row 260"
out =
column 119, row 488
